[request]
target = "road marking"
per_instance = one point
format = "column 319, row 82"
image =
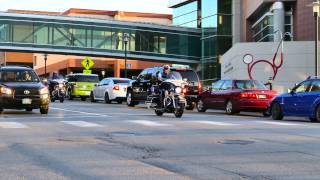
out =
column 81, row 124
column 215, row 123
column 149, row 123
column 81, row 112
column 12, row 125
column 278, row 123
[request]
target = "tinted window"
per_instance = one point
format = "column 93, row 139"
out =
column 217, row 85
column 190, row 75
column 249, row 84
column 315, row 87
column 302, row 87
column 121, row 81
column 83, row 78
column 227, row 85
column 19, row 76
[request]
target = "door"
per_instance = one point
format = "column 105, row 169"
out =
column 306, row 100
column 104, row 87
column 214, row 95
column 223, row 94
column 96, row 90
column 293, row 100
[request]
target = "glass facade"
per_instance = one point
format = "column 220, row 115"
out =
column 170, row 43
column 263, row 30
column 186, row 15
column 216, row 37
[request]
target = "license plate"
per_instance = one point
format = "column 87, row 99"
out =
column 262, row 96
column 26, row 101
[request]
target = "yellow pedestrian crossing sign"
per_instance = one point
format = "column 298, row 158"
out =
column 87, row 63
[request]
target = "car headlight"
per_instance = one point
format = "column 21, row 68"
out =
column 44, row 91
column 178, row 90
column 6, row 91
column 61, row 86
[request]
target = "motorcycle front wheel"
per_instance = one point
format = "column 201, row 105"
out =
column 158, row 112
column 178, row 112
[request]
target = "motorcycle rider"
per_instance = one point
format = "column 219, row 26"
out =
column 52, row 81
column 162, row 76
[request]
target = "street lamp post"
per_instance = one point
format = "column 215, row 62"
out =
column 125, row 40
column 316, row 10
column 45, row 64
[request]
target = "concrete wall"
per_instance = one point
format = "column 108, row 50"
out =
column 298, row 62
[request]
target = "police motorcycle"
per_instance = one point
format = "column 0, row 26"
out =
column 168, row 96
column 57, row 88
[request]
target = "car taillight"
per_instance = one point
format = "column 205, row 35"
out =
column 248, row 95
column 184, row 90
column 199, row 88
column 116, row 88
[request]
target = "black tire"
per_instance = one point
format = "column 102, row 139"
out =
column 83, row 98
column 70, row 97
column 179, row 112
column 158, row 112
column 129, row 101
column 61, row 99
column 29, row 109
column 92, row 97
column 191, row 106
column 119, row 102
column 52, row 99
column 229, row 108
column 106, row 99
column 317, row 119
column 1, row 110
column 44, row 110
column 200, row 106
column 276, row 112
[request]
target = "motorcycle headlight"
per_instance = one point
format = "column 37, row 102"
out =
column 178, row 90
column 44, row 91
column 6, row 91
column 61, row 86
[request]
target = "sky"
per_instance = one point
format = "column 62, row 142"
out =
column 152, row 6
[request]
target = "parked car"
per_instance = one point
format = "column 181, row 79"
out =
column 140, row 87
column 110, row 89
column 21, row 88
column 236, row 95
column 303, row 100
column 80, row 85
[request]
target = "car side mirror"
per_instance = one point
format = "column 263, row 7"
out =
column 134, row 78
column 289, row 91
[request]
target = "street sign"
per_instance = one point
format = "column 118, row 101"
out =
column 87, row 71
column 87, row 63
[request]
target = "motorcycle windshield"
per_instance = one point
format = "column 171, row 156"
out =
column 175, row 75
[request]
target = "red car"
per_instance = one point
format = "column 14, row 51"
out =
column 236, row 95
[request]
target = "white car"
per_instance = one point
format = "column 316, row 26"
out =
column 110, row 89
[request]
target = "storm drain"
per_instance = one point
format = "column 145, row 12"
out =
column 236, row 142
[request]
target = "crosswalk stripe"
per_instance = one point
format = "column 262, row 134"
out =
column 82, row 124
column 277, row 123
column 81, row 112
column 149, row 123
column 12, row 125
column 215, row 123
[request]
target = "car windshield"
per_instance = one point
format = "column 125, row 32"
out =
column 83, row 78
column 175, row 75
column 189, row 75
column 19, row 76
column 121, row 81
column 249, row 84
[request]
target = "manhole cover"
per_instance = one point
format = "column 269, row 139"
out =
column 239, row 142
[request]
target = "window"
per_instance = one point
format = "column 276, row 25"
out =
column 186, row 15
column 302, row 87
column 216, row 86
column 315, row 87
column 249, row 84
column 121, row 81
column 227, row 85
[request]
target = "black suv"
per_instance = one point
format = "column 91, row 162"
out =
column 21, row 88
column 139, row 88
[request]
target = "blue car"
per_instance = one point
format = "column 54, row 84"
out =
column 303, row 100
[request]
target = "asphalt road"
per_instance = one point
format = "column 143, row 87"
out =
column 83, row 140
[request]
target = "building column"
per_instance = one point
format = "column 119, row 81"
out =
column 278, row 20
column 236, row 21
column 117, row 68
